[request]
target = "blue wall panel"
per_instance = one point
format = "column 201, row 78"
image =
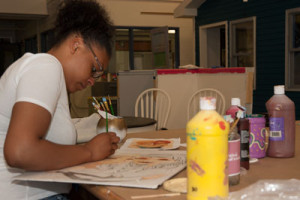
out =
column 270, row 40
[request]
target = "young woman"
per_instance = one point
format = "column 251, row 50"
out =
column 36, row 131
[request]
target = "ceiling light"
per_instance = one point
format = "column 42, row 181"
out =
column 171, row 31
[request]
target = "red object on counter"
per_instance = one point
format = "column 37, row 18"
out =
column 202, row 70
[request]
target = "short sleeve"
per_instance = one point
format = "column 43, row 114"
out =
column 40, row 82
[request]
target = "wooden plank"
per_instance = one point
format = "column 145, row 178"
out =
column 249, row 92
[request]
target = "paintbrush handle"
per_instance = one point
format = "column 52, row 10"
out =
column 103, row 107
column 112, row 110
column 106, row 122
column 234, row 124
column 106, row 106
column 155, row 196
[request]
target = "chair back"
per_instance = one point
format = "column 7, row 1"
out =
column 154, row 103
column 194, row 101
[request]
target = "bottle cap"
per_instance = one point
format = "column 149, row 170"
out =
column 228, row 118
column 235, row 101
column 244, row 111
column 208, row 103
column 279, row 89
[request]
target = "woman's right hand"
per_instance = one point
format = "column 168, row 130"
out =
column 102, row 145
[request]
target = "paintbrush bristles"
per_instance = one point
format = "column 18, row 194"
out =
column 239, row 114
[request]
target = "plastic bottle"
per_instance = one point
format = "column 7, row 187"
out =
column 257, row 129
column 234, row 157
column 281, row 111
column 232, row 110
column 243, row 130
column 207, row 153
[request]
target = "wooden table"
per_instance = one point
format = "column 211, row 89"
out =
column 265, row 168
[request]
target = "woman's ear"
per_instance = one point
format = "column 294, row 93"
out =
column 74, row 47
column 76, row 41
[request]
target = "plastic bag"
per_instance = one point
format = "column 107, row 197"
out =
column 269, row 190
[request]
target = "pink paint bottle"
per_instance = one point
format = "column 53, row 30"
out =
column 234, row 157
column 235, row 102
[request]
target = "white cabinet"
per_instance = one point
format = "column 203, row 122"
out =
column 130, row 85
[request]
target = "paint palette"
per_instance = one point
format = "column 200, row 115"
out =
column 176, row 185
column 154, row 144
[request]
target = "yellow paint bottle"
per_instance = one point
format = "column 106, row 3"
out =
column 207, row 153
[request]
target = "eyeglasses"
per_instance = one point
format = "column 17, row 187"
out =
column 96, row 73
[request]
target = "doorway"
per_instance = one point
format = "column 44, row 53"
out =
column 214, row 45
column 9, row 52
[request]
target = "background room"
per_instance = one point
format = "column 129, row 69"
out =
column 154, row 35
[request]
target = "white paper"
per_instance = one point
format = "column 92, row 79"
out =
column 86, row 127
column 125, row 168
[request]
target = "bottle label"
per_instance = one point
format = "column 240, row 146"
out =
column 244, row 136
column 233, row 157
column 276, row 129
column 245, row 145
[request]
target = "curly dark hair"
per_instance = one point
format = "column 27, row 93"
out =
column 87, row 18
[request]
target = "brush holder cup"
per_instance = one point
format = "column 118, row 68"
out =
column 116, row 125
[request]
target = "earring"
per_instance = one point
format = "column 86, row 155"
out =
column 76, row 46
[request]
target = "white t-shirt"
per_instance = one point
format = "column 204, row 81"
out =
column 39, row 79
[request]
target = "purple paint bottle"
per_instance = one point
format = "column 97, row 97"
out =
column 281, row 111
column 257, row 136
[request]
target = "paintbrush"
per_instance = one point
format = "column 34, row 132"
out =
column 96, row 107
column 155, row 196
column 110, row 104
column 96, row 101
column 102, row 106
column 106, row 122
column 106, row 104
column 239, row 114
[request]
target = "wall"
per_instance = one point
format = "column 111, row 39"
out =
column 182, row 86
column 129, row 13
column 23, row 7
column 270, row 40
column 33, row 27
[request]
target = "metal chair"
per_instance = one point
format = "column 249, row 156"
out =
column 194, row 101
column 154, row 103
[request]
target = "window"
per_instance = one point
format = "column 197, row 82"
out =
column 242, row 46
column 213, row 43
column 47, row 40
column 31, row 45
column 133, row 50
column 292, row 50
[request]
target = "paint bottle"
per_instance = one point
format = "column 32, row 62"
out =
column 234, row 157
column 257, row 129
column 243, row 130
column 207, row 153
column 232, row 110
column 281, row 111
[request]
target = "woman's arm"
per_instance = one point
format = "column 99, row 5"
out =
column 26, row 148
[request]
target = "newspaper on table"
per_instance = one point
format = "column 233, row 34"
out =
column 128, row 168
